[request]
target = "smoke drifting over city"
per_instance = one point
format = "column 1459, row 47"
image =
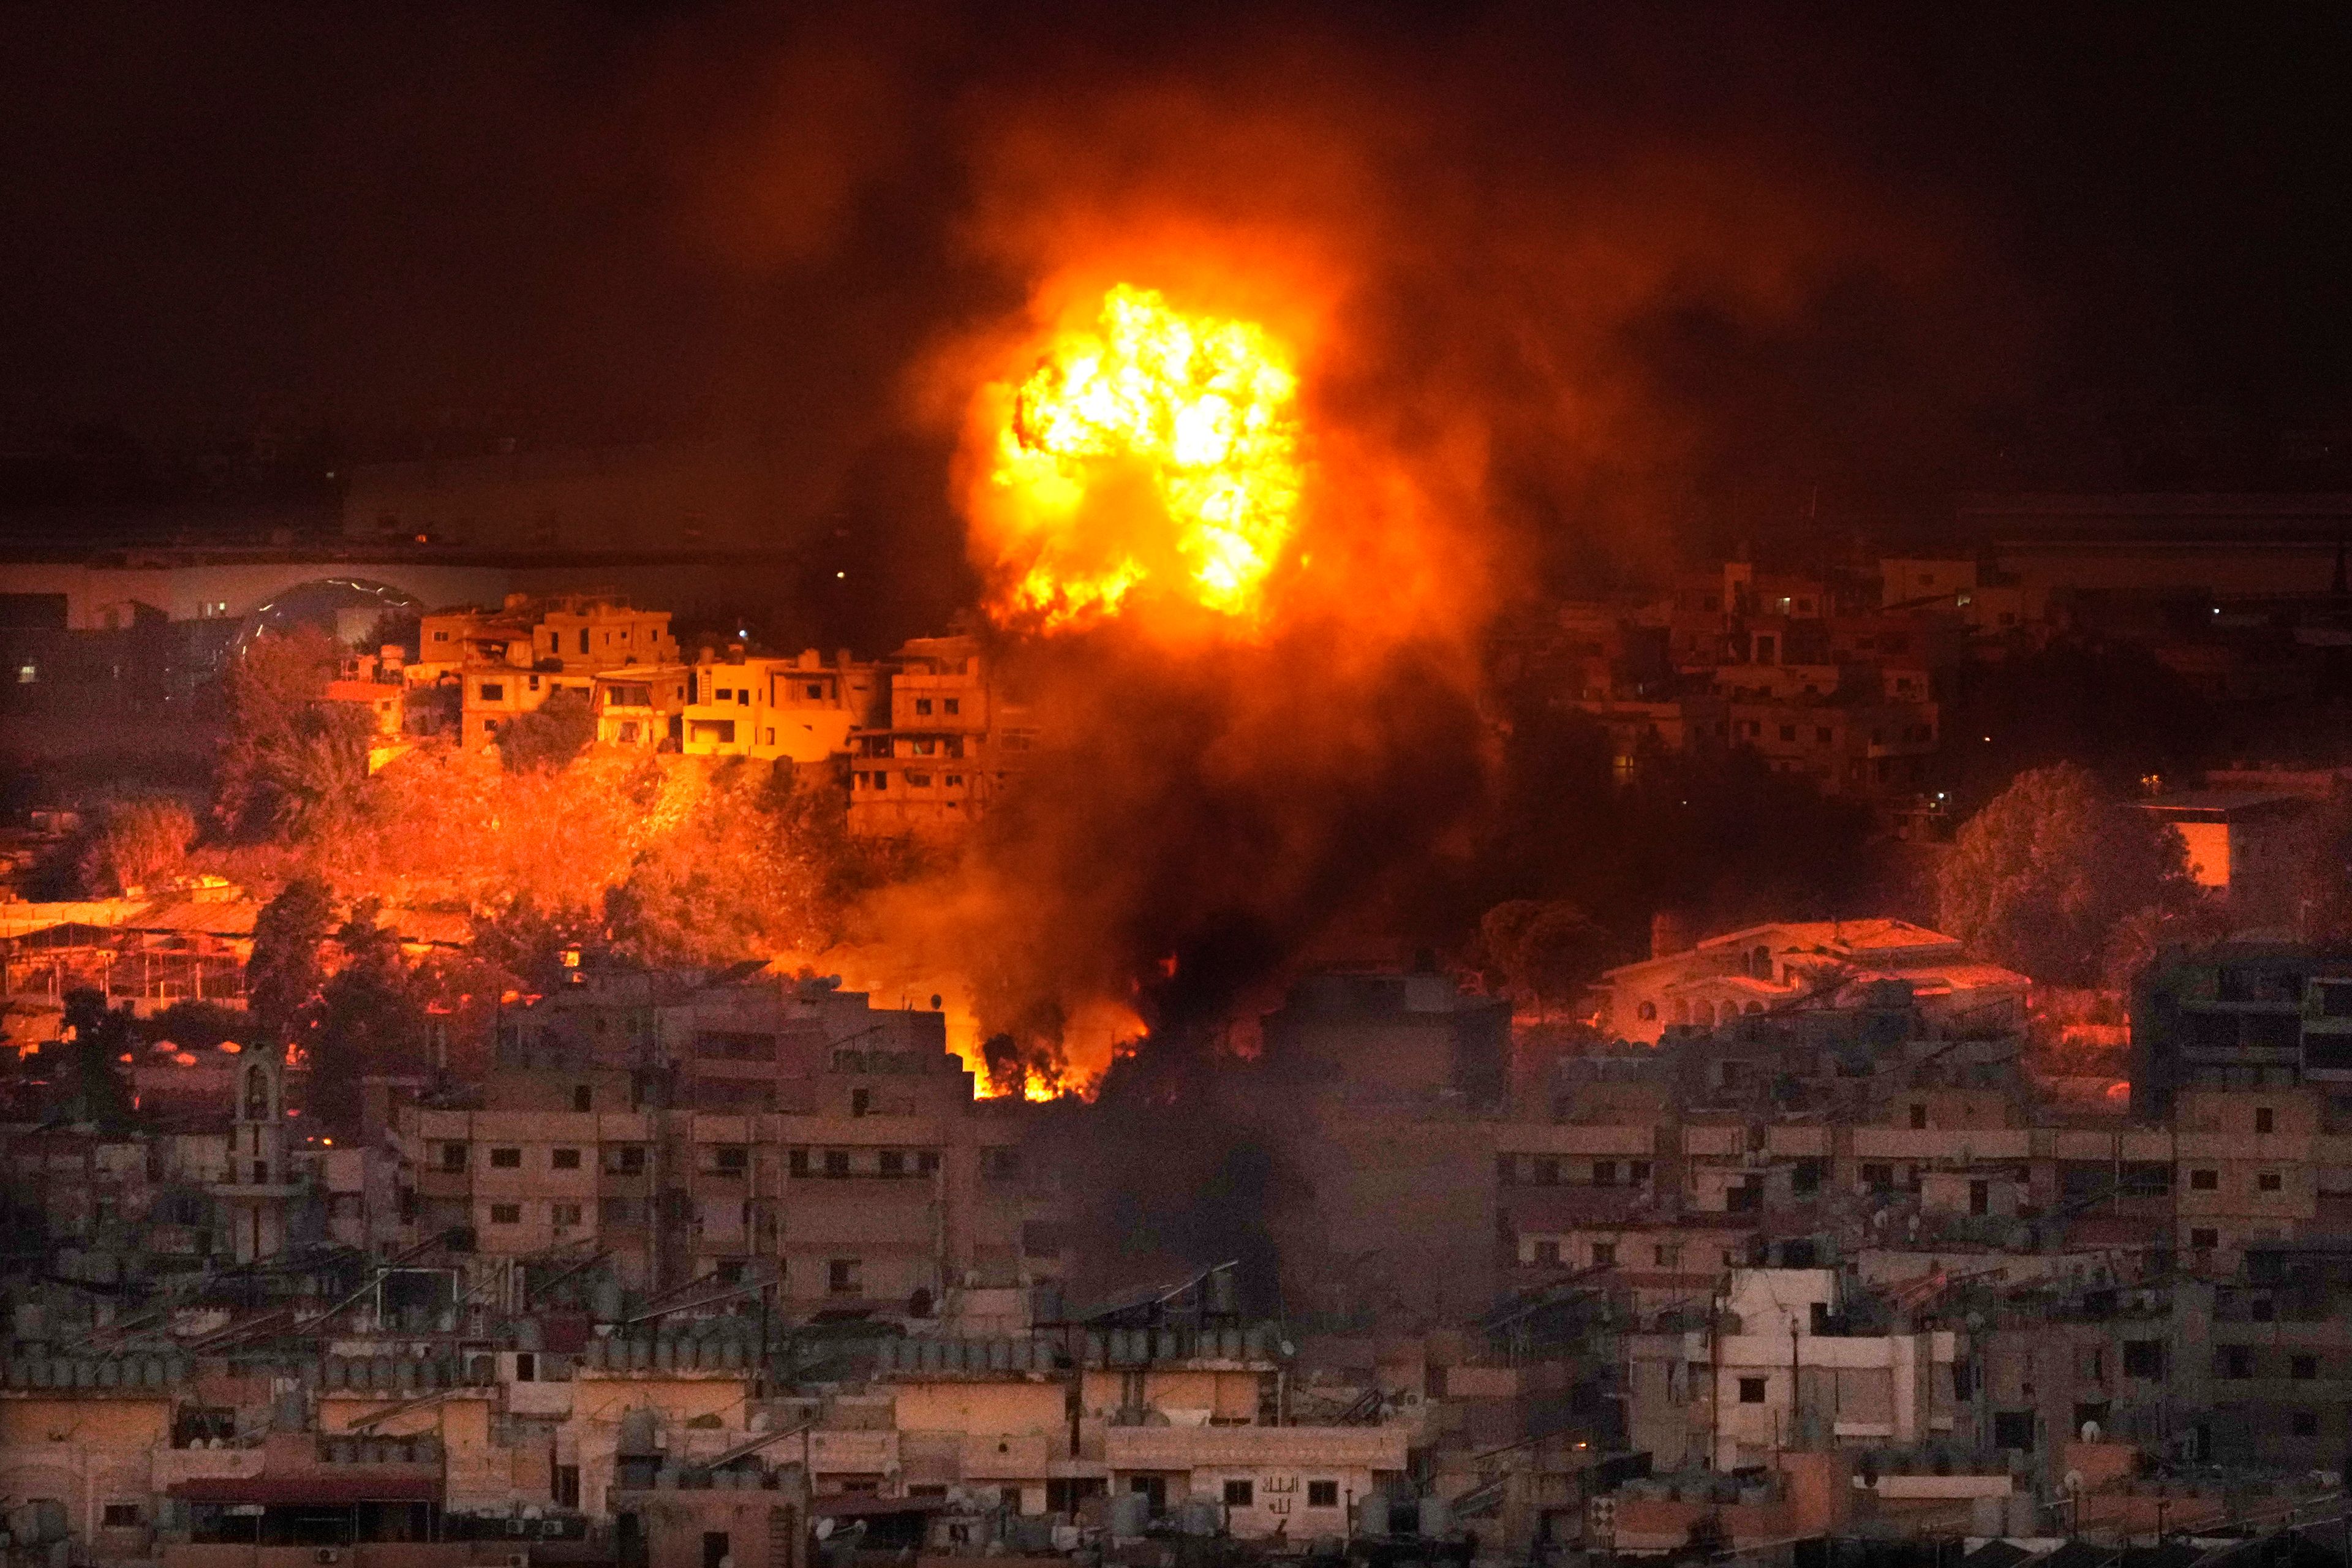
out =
column 1203, row 788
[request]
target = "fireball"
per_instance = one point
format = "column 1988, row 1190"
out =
column 1149, row 452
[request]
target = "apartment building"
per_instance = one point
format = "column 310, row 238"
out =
column 741, row 1126
column 954, row 737
column 1765, row 968
column 798, row 709
column 509, row 661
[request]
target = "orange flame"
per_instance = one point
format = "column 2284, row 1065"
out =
column 1149, row 452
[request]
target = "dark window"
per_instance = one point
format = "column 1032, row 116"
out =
column 2146, row 1179
column 2265, row 1118
column 1751, row 1391
column 950, row 705
column 714, row 1542
column 506, row 1214
column 2304, row 1368
column 1547, row 1171
column 799, row 1162
column 894, row 1163
column 630, row 1159
column 2233, row 1360
column 923, row 706
column 2306, row 1422
column 1322, row 1494
column 2204, row 1240
column 1604, row 1254
column 732, row 1159
column 1604, row 1173
column 841, row 1276
column 1239, row 1494
column 121, row 1516
column 2144, row 1358
column 565, row 1160
column 927, row 1162
column 583, row 1098
column 2269, row 1182
column 2204, row 1181
column 1878, row 1178
column 2013, row 1430
column 1003, row 1165
column 453, row 1156
column 1918, row 1117
column 861, row 1102
column 1506, row 1170
column 1548, row 1254
column 836, row 1161
column 506, row 1159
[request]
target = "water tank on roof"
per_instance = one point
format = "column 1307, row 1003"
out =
column 1437, row 1516
column 1129, row 1513
column 639, row 1434
column 1200, row 1516
column 604, row 1298
column 1985, row 1516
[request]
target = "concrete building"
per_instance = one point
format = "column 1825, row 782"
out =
column 2241, row 844
column 1764, row 968
column 954, row 738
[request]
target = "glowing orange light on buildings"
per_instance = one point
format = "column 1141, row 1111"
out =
column 185, row 1059
column 1149, row 452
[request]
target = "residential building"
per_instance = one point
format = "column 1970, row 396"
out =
column 955, row 736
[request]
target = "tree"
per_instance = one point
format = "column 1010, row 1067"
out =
column 135, row 844
column 371, row 1017
column 2041, row 879
column 292, row 761
column 283, row 976
column 91, row 1086
column 1549, row 950
column 547, row 738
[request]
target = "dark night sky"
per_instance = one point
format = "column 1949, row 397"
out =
column 2124, row 251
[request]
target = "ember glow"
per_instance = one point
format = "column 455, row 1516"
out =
column 1149, row 453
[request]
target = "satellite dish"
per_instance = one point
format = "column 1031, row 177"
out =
column 2090, row 1431
column 824, row 1529
column 2074, row 1481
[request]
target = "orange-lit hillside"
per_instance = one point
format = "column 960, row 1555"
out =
column 1149, row 453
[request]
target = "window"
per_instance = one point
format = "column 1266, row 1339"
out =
column 1604, row 1173
column 565, row 1215
column 2304, row 1368
column 2204, row 1240
column 1751, row 1391
column 927, row 1162
column 583, row 1098
column 841, row 1276
column 1646, row 1010
column 453, row 1157
column 506, row 1159
column 2265, row 1118
column 493, row 691
column 1918, row 1118
column 797, row 1161
column 1547, row 1255
column 1506, row 1170
column 1878, row 1178
column 1322, row 1494
column 1669, row 1257
column 584, row 639
column 2204, row 1181
column 1605, row 1254
column 861, row 1101
column 950, row 705
column 564, row 1159
column 2013, row 1430
column 730, row 1159
column 2144, row 1358
column 506, row 1214
column 2269, row 1182
column 2146, row 1179
column 1001, row 1164
column 2233, row 1361
column 121, row 1516
column 836, row 1161
column 629, row 1159
column 814, row 690
column 2306, row 1422
column 1239, row 1494
column 894, row 1163
column 1547, row 1171
column 567, row 1486
column 1788, row 731
column 923, row 706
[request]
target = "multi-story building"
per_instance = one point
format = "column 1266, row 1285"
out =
column 799, row 710
column 740, row 1126
column 1765, row 968
column 954, row 739
column 509, row 661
